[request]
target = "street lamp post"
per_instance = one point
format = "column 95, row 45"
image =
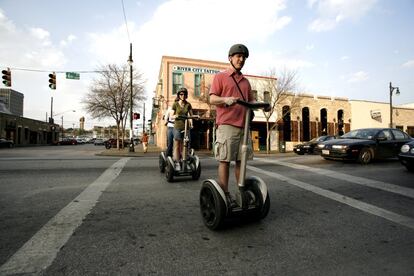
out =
column 397, row 92
column 131, row 134
column 61, row 113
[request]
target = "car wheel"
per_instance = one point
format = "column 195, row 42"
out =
column 410, row 167
column 365, row 156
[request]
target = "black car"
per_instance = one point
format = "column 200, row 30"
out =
column 406, row 156
column 6, row 143
column 309, row 147
column 364, row 145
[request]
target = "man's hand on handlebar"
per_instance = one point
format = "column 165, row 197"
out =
column 229, row 100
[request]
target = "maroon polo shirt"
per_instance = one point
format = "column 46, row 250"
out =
column 224, row 86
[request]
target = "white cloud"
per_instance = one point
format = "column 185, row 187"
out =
column 68, row 40
column 310, row 47
column 202, row 29
column 409, row 64
column 343, row 58
column 358, row 77
column 332, row 12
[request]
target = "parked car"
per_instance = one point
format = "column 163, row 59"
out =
column 68, row 141
column 99, row 141
column 4, row 143
column 365, row 145
column 406, row 156
column 309, row 147
column 111, row 143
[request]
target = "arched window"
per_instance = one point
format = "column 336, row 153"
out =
column 254, row 92
column 324, row 121
column 286, row 123
column 305, row 124
column 266, row 97
column 340, row 122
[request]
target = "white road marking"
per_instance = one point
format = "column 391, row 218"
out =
column 372, row 209
column 40, row 251
column 407, row 192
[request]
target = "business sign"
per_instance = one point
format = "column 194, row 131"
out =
column 375, row 114
column 195, row 70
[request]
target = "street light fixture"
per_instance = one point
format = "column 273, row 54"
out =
column 131, row 133
column 397, row 92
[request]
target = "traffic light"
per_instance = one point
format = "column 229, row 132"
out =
column 136, row 116
column 52, row 81
column 6, row 77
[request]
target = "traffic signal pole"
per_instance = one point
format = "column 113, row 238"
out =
column 131, row 134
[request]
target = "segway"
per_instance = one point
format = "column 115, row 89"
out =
column 253, row 200
column 162, row 161
column 189, row 163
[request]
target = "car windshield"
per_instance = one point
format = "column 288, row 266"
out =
column 360, row 134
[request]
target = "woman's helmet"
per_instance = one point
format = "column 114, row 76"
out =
column 182, row 90
column 239, row 49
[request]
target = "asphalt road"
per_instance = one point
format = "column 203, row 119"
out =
column 66, row 211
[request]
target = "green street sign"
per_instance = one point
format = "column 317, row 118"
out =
column 72, row 75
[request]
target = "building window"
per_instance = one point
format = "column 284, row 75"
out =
column 177, row 82
column 254, row 93
column 266, row 97
column 197, row 84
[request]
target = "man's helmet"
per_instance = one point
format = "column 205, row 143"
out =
column 239, row 49
column 183, row 90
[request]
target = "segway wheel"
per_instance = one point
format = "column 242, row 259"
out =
column 212, row 206
column 161, row 163
column 262, row 206
column 196, row 172
column 169, row 172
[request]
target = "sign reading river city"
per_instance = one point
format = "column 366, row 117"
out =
column 196, row 70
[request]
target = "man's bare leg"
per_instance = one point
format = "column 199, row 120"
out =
column 223, row 175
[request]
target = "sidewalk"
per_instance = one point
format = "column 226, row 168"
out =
column 153, row 150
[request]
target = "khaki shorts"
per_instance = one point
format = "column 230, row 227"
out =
column 228, row 145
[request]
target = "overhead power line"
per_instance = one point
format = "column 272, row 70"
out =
column 125, row 19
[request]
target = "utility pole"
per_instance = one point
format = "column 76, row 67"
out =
column 143, row 120
column 131, row 133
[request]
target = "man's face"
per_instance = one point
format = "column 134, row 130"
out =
column 237, row 60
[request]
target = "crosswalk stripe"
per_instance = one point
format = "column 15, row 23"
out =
column 372, row 209
column 40, row 251
column 407, row 192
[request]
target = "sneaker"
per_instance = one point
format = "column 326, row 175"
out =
column 177, row 167
column 230, row 201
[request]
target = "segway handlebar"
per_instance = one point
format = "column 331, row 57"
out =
column 185, row 117
column 254, row 105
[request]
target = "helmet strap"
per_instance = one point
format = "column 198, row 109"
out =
column 235, row 69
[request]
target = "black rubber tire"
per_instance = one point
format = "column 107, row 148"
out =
column 196, row 172
column 161, row 164
column 365, row 156
column 410, row 167
column 107, row 145
column 262, row 207
column 212, row 206
column 169, row 172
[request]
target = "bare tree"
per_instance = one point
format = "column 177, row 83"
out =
column 279, row 89
column 109, row 95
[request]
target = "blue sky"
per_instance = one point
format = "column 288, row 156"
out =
column 340, row 48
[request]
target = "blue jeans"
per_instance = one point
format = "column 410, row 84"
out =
column 170, row 140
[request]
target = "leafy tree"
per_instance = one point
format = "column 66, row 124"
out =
column 282, row 88
column 109, row 95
